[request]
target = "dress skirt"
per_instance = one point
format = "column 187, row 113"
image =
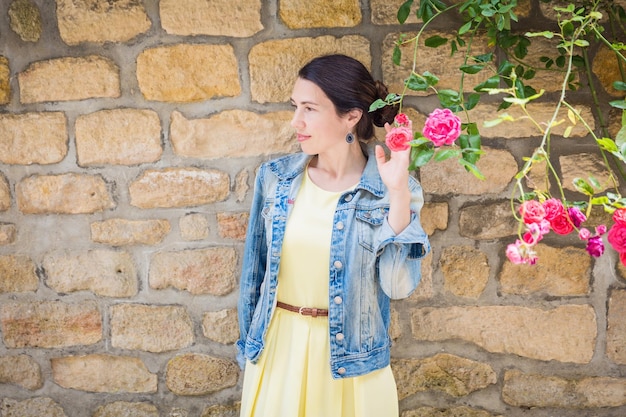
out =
column 292, row 376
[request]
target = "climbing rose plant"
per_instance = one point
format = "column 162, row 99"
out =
column 444, row 136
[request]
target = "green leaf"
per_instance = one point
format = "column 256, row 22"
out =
column 472, row 101
column 491, row 82
column 619, row 104
column 471, row 69
column 619, row 85
column 607, row 144
column 465, row 28
column 378, row 104
column 469, row 167
column 397, row 55
column 444, row 154
column 404, row 11
column 417, row 83
column 583, row 186
column 435, row 41
column 449, row 99
column 420, row 157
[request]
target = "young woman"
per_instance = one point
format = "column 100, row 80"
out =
column 334, row 234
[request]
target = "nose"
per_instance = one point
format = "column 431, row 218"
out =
column 296, row 120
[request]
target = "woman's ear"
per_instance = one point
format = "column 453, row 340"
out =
column 354, row 116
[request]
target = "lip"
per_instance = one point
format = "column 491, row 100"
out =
column 301, row 138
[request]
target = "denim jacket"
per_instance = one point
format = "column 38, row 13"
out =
column 369, row 264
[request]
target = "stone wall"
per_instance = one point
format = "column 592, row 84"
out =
column 130, row 132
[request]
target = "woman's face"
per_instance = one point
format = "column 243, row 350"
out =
column 319, row 129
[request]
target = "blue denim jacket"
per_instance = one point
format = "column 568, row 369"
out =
column 369, row 264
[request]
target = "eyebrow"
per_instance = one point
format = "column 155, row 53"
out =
column 304, row 102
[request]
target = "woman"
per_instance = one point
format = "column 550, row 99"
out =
column 334, row 234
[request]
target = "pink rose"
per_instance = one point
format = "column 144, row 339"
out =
column 534, row 234
column 577, row 216
column 562, row 224
column 617, row 237
column 520, row 253
column 595, row 246
column 402, row 119
column 553, row 208
column 532, row 211
column 622, row 258
column 442, row 127
column 584, row 233
column 398, row 138
column 619, row 216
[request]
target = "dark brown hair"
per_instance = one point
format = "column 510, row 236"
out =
column 349, row 85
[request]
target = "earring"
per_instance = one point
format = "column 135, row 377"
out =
column 349, row 137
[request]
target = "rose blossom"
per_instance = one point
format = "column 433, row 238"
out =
column 562, row 224
column 534, row 234
column 600, row 229
column 520, row 253
column 398, row 138
column 442, row 127
column 619, row 216
column 577, row 216
column 553, row 207
column 617, row 237
column 402, row 119
column 532, row 211
column 584, row 233
column 595, row 246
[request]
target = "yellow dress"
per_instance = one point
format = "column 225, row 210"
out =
column 292, row 377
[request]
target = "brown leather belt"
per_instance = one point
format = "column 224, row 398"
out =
column 305, row 311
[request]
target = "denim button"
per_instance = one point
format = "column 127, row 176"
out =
column 338, row 264
column 338, row 300
column 339, row 226
column 348, row 198
column 339, row 337
column 341, row 371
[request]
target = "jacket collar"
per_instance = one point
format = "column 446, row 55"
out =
column 290, row 166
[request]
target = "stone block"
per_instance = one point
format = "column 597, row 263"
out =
column 141, row 327
column 18, row 273
column 5, row 81
column 536, row 390
column 25, row 20
column 274, row 64
column 187, row 73
column 585, row 166
column 101, row 21
column 450, row 177
column 443, row 372
column 8, row 233
column 221, row 326
column 31, row 407
column 565, row 333
column 616, row 327
column 68, row 79
column 121, row 232
column 199, row 271
column 118, row 137
column 233, row 134
column 103, row 373
column 33, row 138
column 128, row 409
column 50, row 324
column 237, row 18
column 198, row 374
column 20, row 370
column 194, row 226
column 179, row 187
column 487, row 220
column 434, row 216
column 63, row 194
column 103, row 272
column 465, row 271
column 303, row 14
column 232, row 225
column 559, row 272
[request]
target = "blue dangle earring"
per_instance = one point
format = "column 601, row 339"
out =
column 349, row 137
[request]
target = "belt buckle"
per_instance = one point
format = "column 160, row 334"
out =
column 300, row 311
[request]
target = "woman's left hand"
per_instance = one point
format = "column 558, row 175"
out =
column 395, row 171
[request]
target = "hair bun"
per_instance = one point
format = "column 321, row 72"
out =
column 385, row 114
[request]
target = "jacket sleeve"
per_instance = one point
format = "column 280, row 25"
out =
column 400, row 256
column 253, row 266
